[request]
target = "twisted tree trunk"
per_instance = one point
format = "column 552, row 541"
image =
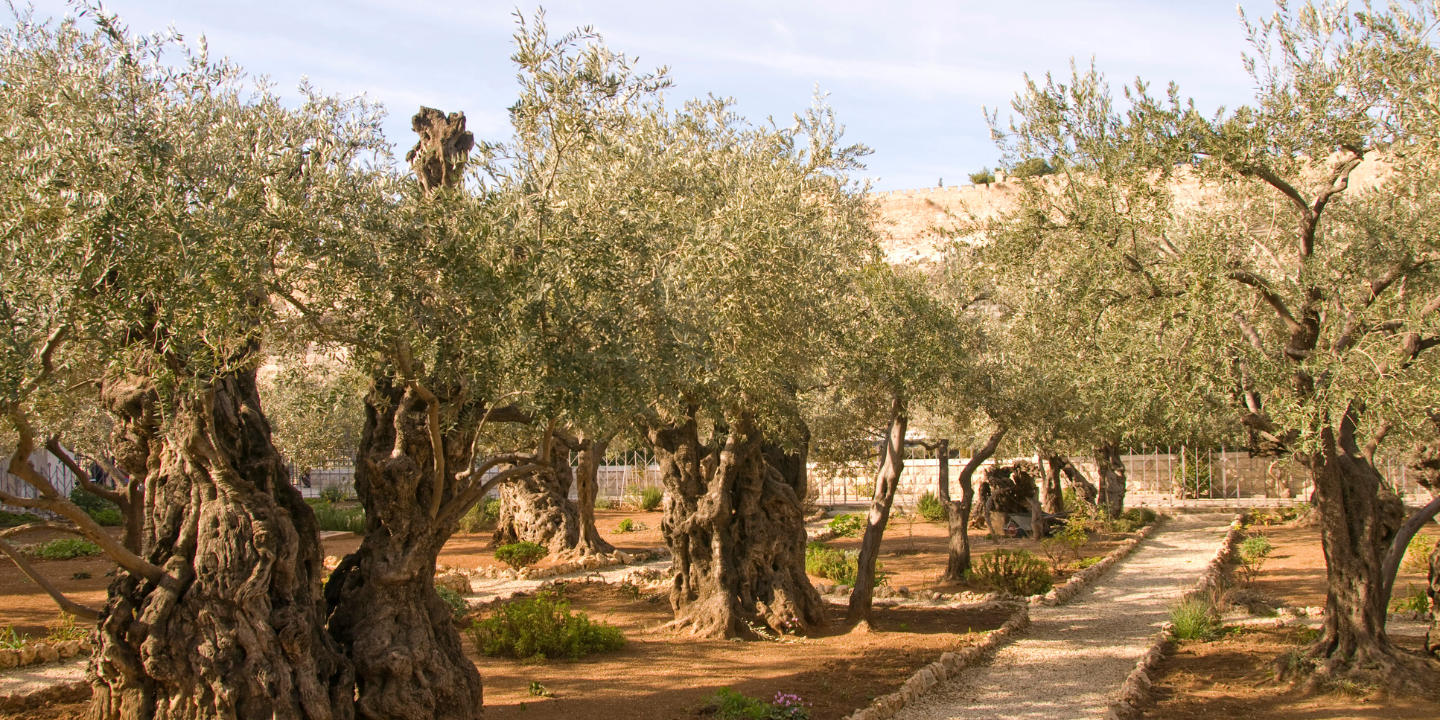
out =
column 235, row 625
column 587, row 487
column 409, row 662
column 1052, row 496
column 1111, row 496
column 537, row 508
column 735, row 527
column 958, row 563
column 887, row 481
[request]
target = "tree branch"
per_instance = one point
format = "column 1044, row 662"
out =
column 1269, row 296
column 82, row 477
column 66, row 604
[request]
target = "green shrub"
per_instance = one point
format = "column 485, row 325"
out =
column 520, row 554
column 847, row 525
column 984, row 177
column 1121, row 525
column 1083, row 563
column 628, row 525
column 842, row 566
column 1417, row 554
column 481, row 517
column 335, row 494
column 1017, row 572
column 1194, row 619
column 650, row 498
column 1140, row 516
column 341, row 519
column 542, row 627
column 606, row 504
column 65, row 549
column 458, row 608
column 9, row 519
column 1252, row 553
column 930, row 508
column 99, row 509
column 729, row 704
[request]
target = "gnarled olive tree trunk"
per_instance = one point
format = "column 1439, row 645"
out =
column 1359, row 516
column 887, row 481
column 409, row 662
column 1111, row 496
column 958, row 563
column 736, row 529
column 537, row 508
column 235, row 625
column 1052, row 496
column 587, row 487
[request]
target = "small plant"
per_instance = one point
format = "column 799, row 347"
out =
column 542, row 627
column 650, row 498
column 729, row 704
column 930, row 508
column 1194, row 619
column 481, row 517
column 458, row 608
column 1252, row 553
column 1083, row 563
column 1417, row 554
column 331, row 517
column 66, row 630
column 520, row 554
column 65, row 549
column 789, row 707
column 628, row 525
column 9, row 640
column 847, row 525
column 1414, row 601
column 1017, row 572
column 538, row 690
column 335, row 493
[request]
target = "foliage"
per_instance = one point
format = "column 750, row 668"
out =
column 342, row 519
column 1252, row 553
column 864, row 490
column 520, row 554
column 336, row 493
column 64, row 549
column 1197, row 477
column 1194, row 619
column 9, row 519
column 67, row 630
column 542, row 627
column 539, row 690
column 826, row 562
column 650, row 498
column 481, row 517
column 983, row 177
column 1065, row 544
column 729, row 704
column 930, row 508
column 99, row 509
column 1140, row 516
column 458, row 607
column 1414, row 601
column 314, row 403
column 847, row 525
column 1016, row 572
column 628, row 525
column 1417, row 554
column 9, row 640
column 1083, row 563
column 1032, row 167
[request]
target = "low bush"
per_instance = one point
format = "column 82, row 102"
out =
column 865, row 490
column 729, row 704
column 1252, row 553
column 930, row 508
column 540, row 628
column 520, row 554
column 481, row 517
column 842, row 566
column 458, row 608
column 1194, row 619
column 342, row 519
column 1017, row 572
column 847, row 525
column 335, row 493
column 1083, row 563
column 1417, row 554
column 607, row 504
column 99, row 509
column 650, row 498
column 1140, row 516
column 9, row 519
column 65, row 549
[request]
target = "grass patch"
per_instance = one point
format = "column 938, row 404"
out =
column 1194, row 619
column 1414, row 601
column 540, row 628
column 730, row 704
column 1417, row 554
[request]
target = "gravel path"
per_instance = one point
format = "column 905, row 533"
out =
column 33, row 677
column 1074, row 657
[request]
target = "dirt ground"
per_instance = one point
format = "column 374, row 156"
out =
column 1234, row 676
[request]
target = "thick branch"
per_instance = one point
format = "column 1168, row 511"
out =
column 82, row 477
column 42, row 525
column 66, row 604
column 1274, row 300
column 1402, row 541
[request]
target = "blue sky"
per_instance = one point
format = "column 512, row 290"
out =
column 908, row 79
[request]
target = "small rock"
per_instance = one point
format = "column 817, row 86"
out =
column 47, row 652
column 622, row 557
column 9, row 659
column 27, row 655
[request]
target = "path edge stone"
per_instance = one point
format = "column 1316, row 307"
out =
column 951, row 664
column 1136, row 689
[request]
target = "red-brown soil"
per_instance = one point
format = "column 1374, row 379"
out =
column 1234, row 676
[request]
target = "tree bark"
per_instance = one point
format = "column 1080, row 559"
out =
column 1111, row 496
column 1052, row 496
column 235, row 625
column 887, row 481
column 537, row 508
column 1085, row 491
column 958, row 564
column 587, row 487
column 409, row 661
column 1359, row 517
column 736, row 529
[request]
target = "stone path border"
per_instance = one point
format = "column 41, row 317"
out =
column 951, row 663
column 1136, row 688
